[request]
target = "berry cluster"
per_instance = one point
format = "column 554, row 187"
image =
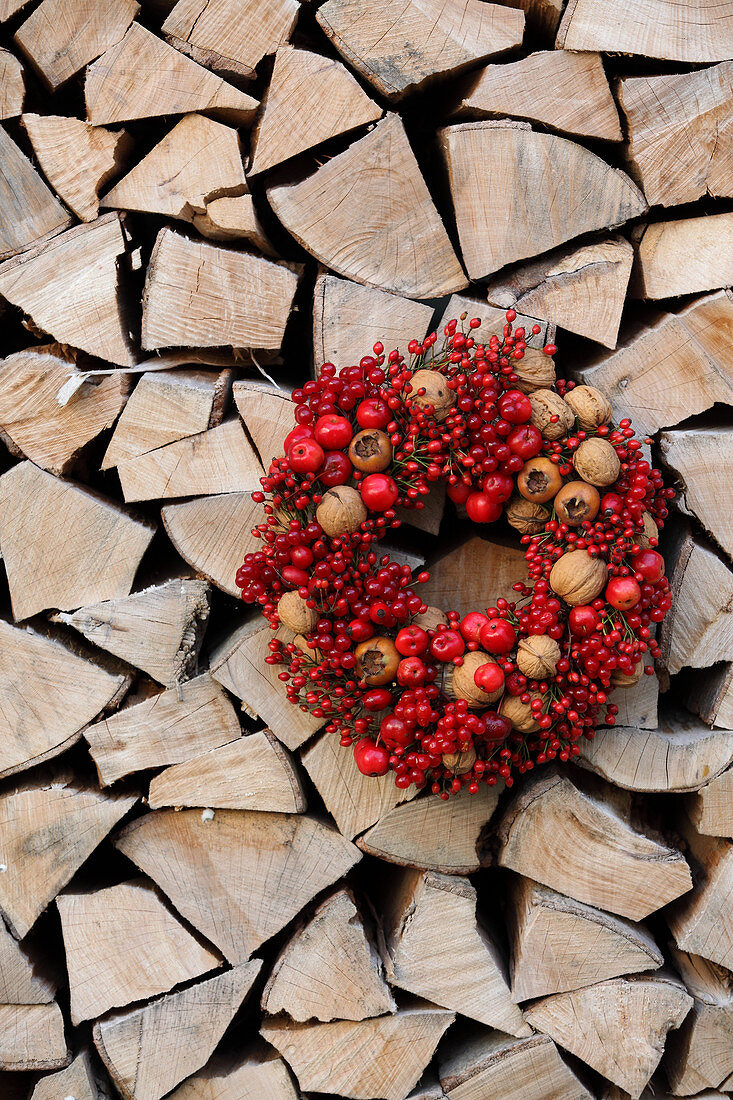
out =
column 437, row 699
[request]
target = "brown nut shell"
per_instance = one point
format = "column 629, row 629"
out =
column 535, row 371
column 526, row 516
column 430, row 618
column 459, row 762
column 591, row 407
column 651, row 531
column 519, row 714
column 547, row 404
column 341, row 512
column 294, row 613
column 370, row 451
column 576, row 502
column 596, row 462
column 539, row 480
column 376, row 661
column 537, row 656
column 578, row 578
column 621, row 679
column 460, row 684
column 436, row 392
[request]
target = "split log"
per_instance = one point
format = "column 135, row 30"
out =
column 241, row 858
column 658, row 29
column 571, row 286
column 251, row 773
column 12, row 85
column 711, row 808
column 348, row 318
column 19, row 983
column 197, row 161
column 166, row 406
column 231, row 37
column 493, row 321
column 310, row 99
column 34, row 423
column 381, row 1057
column 486, row 1065
column 77, row 1081
column 123, row 944
column 427, row 1088
column 433, row 835
column 233, row 219
column 702, row 1054
column 474, row 576
column 637, row 705
column 603, row 860
column 618, row 1027
column 559, row 944
column 698, row 631
column 680, row 144
column 255, row 1075
column 542, row 16
column 69, row 287
column 528, row 89
column 500, row 184
column 46, row 833
column 704, row 242
column 702, row 923
column 267, row 412
column 49, row 694
column 417, row 911
column 169, row 728
column 681, row 755
column 29, row 211
column 32, row 1037
column 711, row 696
column 701, row 459
column 430, row 517
column 159, row 630
column 400, row 48
column 355, row 801
column 198, row 294
column 220, row 460
column 59, row 38
column 378, row 181
column 10, row 7
column 213, row 534
column 239, row 666
column 329, row 969
column 674, row 367
column 143, row 77
column 95, row 559
column 150, row 1050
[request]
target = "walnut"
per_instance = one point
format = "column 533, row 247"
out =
column 519, row 714
column 342, row 511
column 547, row 404
column 525, row 516
column 537, row 656
column 596, row 462
column 651, row 531
column 294, row 613
column 590, row 406
column 621, row 679
column 578, row 578
column 436, row 392
column 430, row 618
column 461, row 684
column 459, row 762
column 536, row 371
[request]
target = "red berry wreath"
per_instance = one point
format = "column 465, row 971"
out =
column 434, row 698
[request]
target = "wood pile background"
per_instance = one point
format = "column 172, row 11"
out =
column 201, row 898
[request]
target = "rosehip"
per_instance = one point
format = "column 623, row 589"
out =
column 611, row 504
column 376, row 699
column 498, row 636
column 623, row 593
column 371, row 759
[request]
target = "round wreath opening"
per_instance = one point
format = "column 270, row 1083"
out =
column 439, row 700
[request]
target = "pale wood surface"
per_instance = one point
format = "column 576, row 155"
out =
column 49, row 434
column 487, row 1065
column 159, row 629
column 123, row 944
column 419, row 908
column 699, row 628
column 61, row 36
column 253, row 1076
column 355, row 801
column 504, row 176
column 231, row 37
column 702, row 922
column 542, row 16
column 95, row 559
column 401, row 46
column 12, row 85
column 711, row 808
column 220, row 460
column 267, row 412
column 46, row 833
column 20, row 982
column 213, row 534
column 69, row 287
column 637, row 705
column 582, row 289
column 603, row 1023
column 381, row 1057
column 310, row 99
column 174, row 726
column 385, row 201
column 655, row 28
column 493, row 320
column 149, row 1050
column 711, row 696
column 32, row 1037
column 701, row 458
column 197, row 161
column 474, row 575
column 330, row 968
column 142, row 77
column 233, row 219
column 680, row 133
column 702, row 1054
column 684, row 256
column 566, row 91
column 251, row 773
column 559, row 944
column 433, row 835
column 198, row 294
column 604, row 861
column 29, row 210
column 76, row 1080
column 240, row 877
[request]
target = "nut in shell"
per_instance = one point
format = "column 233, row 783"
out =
column 577, row 578
column 546, row 406
column 459, row 762
column 519, row 714
column 526, row 516
column 621, row 679
column 591, row 407
column 535, row 371
column 437, row 394
column 341, row 512
column 651, row 531
column 537, row 656
column 596, row 462
column 430, row 618
column 294, row 613
column 460, row 684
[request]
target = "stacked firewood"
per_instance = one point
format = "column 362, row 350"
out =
column 199, row 200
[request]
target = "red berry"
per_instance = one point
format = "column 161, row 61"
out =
column 471, row 625
column 525, row 442
column 333, row 432
column 481, row 509
column 305, row 456
column 459, row 493
column 373, row 413
column 336, row 469
column 411, row 641
column 376, row 699
column 379, row 492
column 498, row 487
column 515, row 407
column 583, row 620
column 623, row 593
column 498, row 636
column 371, row 759
column 489, row 677
column 650, row 564
column 447, row 645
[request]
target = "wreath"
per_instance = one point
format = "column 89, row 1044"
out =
column 437, row 699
